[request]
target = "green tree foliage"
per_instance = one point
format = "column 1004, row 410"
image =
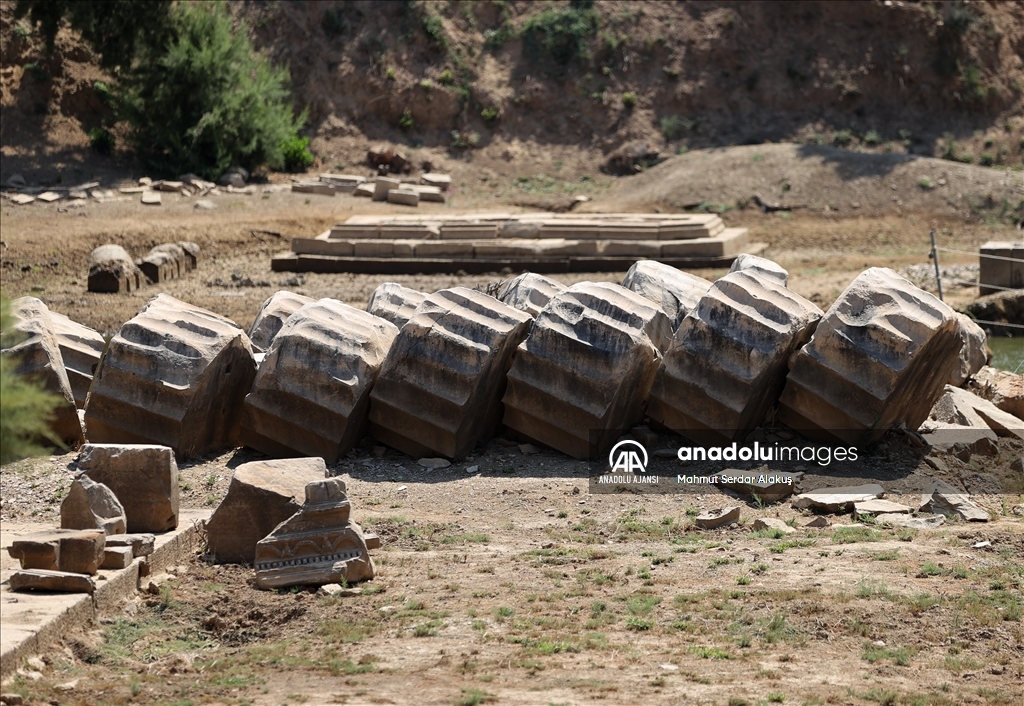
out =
column 25, row 407
column 207, row 100
column 115, row 29
column 560, row 34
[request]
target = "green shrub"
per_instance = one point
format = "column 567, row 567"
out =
column 446, row 78
column 671, row 127
column 390, row 74
column 405, row 122
column 559, row 34
column 842, row 138
column 103, row 92
column 206, row 100
column 434, row 28
column 872, row 138
column 102, row 140
column 628, row 100
column 490, row 114
column 27, row 407
column 987, row 159
column 297, row 157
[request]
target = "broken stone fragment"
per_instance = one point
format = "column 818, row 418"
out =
column 174, row 375
column 768, row 269
column 840, row 499
column 878, row 359
column 973, row 354
column 529, row 292
column 878, row 507
column 37, row 357
column 741, row 335
column 140, row 544
column 439, row 390
column 910, row 521
column 675, row 291
column 112, row 269
column 144, row 478
column 317, row 545
column 818, row 522
column 261, row 495
column 962, row 407
column 582, row 376
column 960, row 440
column 395, row 303
column 311, row 395
column 92, row 505
column 78, row 551
column 772, row 523
column 710, row 519
column 1000, row 387
column 43, row 580
column 943, row 499
column 81, row 349
column 117, row 558
column 272, row 315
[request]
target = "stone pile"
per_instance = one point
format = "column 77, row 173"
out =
column 111, row 268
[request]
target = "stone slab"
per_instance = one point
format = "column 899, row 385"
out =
column 839, row 498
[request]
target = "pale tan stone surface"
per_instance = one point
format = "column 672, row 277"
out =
column 92, row 505
column 395, row 303
column 272, row 315
column 144, row 477
column 529, row 292
column 675, row 291
column 81, row 349
column 1000, row 387
column 42, row 580
column 112, row 269
column 962, row 407
column 973, row 355
column 769, row 269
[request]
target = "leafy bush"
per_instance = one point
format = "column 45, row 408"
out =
column 671, row 127
column 205, row 100
column 297, row 157
column 102, row 140
column 405, row 122
column 434, row 28
column 446, row 78
column 628, row 100
column 560, row 34
column 490, row 114
column 842, row 138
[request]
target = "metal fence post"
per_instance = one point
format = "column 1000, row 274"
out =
column 935, row 256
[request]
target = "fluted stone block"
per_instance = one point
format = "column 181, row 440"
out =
column 112, row 269
column 879, row 358
column 272, row 315
column 529, row 292
column 763, row 266
column 312, row 392
column 586, row 368
column 38, row 357
column 439, row 392
column 174, row 375
column 728, row 361
column 159, row 266
column 177, row 253
column 81, row 349
column 395, row 303
column 675, row 291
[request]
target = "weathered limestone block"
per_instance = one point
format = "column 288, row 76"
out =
column 879, row 358
column 174, row 375
column 272, row 315
column 177, row 253
column 838, row 499
column 1000, row 387
column 973, row 355
column 79, row 551
column 957, row 406
column 381, row 187
column 40, row 580
column 769, row 269
column 727, row 363
column 38, row 357
column 92, row 505
column 159, row 266
column 943, row 499
column 140, row 544
column 312, row 392
column 395, row 303
column 406, row 197
column 317, row 545
column 117, row 558
column 588, row 365
column 111, row 269
column 81, row 349
column 144, row 478
column 262, row 494
column 529, row 292
column 192, row 251
column 675, row 291
column 439, row 391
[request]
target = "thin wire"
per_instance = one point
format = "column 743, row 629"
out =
column 997, row 323
column 979, row 254
column 976, row 284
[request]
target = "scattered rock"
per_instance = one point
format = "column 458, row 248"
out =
column 261, row 495
column 395, row 303
column 878, row 507
column 205, row 205
column 964, row 408
column 336, row 589
column 711, row 519
column 434, row 463
column 1018, row 510
column 974, row 353
column 382, row 186
column 772, row 523
column 961, row 441
column 111, row 269
column 529, row 449
column 151, row 198
column 675, row 291
column 631, row 158
column 943, row 499
column 92, row 505
column 1004, row 307
column 11, row 699
column 1000, row 387
column 838, row 499
column 76, row 551
column 981, row 545
column 43, row 580
column 442, row 181
column 910, row 521
column 818, row 522
column 395, row 162
column 529, row 292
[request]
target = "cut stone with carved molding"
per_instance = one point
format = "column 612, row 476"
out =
column 529, row 292
column 675, row 291
column 317, row 545
column 272, row 315
column 395, row 303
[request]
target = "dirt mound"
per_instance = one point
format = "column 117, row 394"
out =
column 794, row 177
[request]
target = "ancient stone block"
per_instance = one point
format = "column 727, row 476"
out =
column 973, row 354
column 111, row 269
column 1001, row 266
column 272, row 315
column 395, row 303
column 314, row 187
column 37, row 356
column 763, row 266
column 727, row 363
column 772, row 523
column 81, row 349
column 159, row 266
column 92, row 505
column 41, row 580
column 406, row 197
column 675, row 291
column 192, row 251
column 879, row 358
column 381, row 187
column 878, row 507
column 957, row 406
column 445, row 248
column 143, row 477
column 312, row 392
column 140, row 544
column 439, row 391
column 174, row 375
column 117, row 558
column 719, row 517
column 1000, row 387
column 587, row 366
column 373, row 248
column 943, row 499
column 262, row 494
column 529, row 292
column 317, row 545
column 443, row 181
column 837, row 499
column 79, row 551
column 182, row 264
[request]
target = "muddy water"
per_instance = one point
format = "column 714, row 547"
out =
column 1007, row 353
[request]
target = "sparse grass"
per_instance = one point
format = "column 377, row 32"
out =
column 852, row 535
column 898, row 655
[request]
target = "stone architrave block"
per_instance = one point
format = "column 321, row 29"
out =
column 317, row 545
column 586, row 368
column 117, row 558
column 37, row 357
column 727, row 363
column 769, row 269
column 311, row 395
column 529, row 292
column 262, row 494
column 395, row 303
column 92, row 505
column 675, row 291
column 406, row 197
column 81, row 349
column 272, row 315
column 174, row 375
column 439, row 391
column 144, row 478
column 879, row 358
column 111, row 269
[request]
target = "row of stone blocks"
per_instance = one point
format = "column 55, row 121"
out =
column 568, row 367
column 111, row 268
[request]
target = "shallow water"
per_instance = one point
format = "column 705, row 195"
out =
column 1007, row 353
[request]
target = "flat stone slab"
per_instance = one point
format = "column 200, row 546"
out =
column 943, row 499
column 43, row 580
column 140, row 544
column 910, row 521
column 711, row 519
column 272, row 315
column 772, row 523
column 75, row 551
column 837, row 499
column 879, row 507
